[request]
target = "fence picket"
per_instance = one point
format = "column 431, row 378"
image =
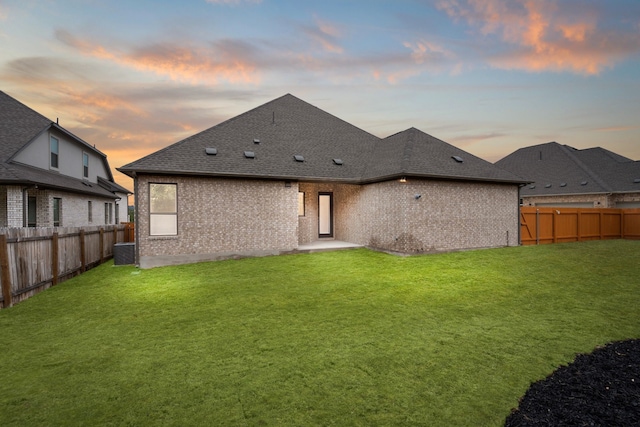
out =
column 558, row 225
column 34, row 259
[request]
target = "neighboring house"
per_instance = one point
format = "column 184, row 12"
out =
column 564, row 176
column 50, row 177
column 286, row 174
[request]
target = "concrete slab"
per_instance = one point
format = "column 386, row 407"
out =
column 327, row 245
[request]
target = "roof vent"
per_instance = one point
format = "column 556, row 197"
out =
column 584, row 182
column 547, row 186
column 211, row 151
column 457, row 159
column 249, row 154
column 256, row 141
column 531, row 187
column 298, row 158
column 563, row 184
column 338, row 162
column 636, row 181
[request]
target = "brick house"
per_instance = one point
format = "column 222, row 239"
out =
column 50, row 177
column 563, row 176
column 286, row 174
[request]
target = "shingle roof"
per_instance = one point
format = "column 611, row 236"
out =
column 556, row 169
column 415, row 153
column 19, row 126
column 288, row 126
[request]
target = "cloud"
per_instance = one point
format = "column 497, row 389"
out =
column 616, row 128
column 546, row 35
column 324, row 34
column 224, row 60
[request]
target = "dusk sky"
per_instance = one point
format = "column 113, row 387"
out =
column 488, row 76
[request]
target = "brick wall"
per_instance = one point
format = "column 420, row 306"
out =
column 74, row 208
column 223, row 218
column 220, row 218
column 448, row 215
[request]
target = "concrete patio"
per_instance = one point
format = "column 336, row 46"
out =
column 327, row 245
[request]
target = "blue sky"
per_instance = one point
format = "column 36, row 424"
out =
column 488, row 76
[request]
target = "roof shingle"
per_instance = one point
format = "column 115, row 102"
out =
column 288, row 126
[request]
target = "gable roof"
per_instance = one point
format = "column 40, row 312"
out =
column 555, row 169
column 19, row 126
column 288, row 127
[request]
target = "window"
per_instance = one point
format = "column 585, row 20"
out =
column 31, row 211
column 54, row 148
column 108, row 213
column 57, row 211
column 300, row 203
column 85, row 165
column 163, row 209
column 90, row 211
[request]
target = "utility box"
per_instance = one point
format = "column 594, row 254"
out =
column 124, row 253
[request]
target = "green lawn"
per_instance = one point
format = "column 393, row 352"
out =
column 340, row 338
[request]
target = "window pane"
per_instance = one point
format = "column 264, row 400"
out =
column 300, row 203
column 56, row 212
column 32, row 211
column 54, row 152
column 85, row 165
column 163, row 224
column 163, row 198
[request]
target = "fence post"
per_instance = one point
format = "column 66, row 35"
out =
column 83, row 258
column 6, row 276
column 54, row 259
column 101, row 245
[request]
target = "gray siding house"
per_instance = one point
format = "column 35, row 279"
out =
column 50, row 177
column 563, row 176
column 286, row 174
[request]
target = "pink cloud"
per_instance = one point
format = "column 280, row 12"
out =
column 182, row 63
column 326, row 35
column 544, row 36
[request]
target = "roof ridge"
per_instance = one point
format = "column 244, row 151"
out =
column 585, row 168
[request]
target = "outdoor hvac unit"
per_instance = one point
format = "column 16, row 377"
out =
column 124, row 253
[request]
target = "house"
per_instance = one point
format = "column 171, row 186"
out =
column 50, row 177
column 562, row 176
column 287, row 173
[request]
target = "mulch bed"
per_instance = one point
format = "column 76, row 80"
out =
column 597, row 389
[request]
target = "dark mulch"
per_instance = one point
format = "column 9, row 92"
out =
column 597, row 389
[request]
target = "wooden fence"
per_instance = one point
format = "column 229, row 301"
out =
column 557, row 225
column 34, row 259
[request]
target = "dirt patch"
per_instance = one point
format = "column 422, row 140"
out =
column 597, row 389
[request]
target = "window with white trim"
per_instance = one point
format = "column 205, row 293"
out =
column 54, row 148
column 163, row 209
column 85, row 165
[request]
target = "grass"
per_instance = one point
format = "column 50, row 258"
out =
column 340, row 338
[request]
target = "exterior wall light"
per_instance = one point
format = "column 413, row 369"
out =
column 403, row 179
